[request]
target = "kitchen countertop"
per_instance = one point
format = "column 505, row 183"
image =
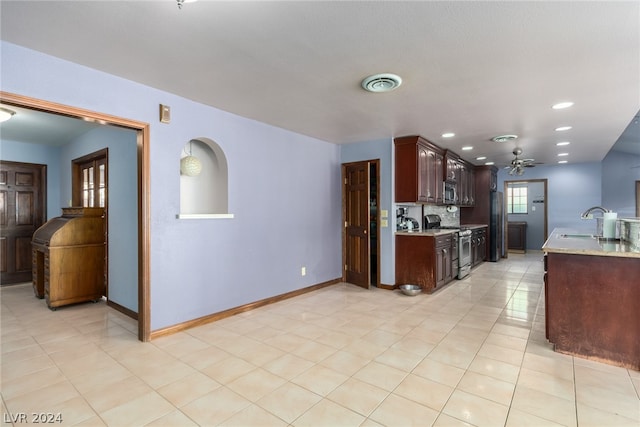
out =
column 584, row 245
column 439, row 231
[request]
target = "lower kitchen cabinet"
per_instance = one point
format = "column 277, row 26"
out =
column 478, row 246
column 425, row 260
column 517, row 236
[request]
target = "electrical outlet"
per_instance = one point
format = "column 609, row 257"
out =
column 384, row 223
column 303, row 271
column 384, row 213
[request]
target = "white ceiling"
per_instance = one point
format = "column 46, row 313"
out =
column 478, row 69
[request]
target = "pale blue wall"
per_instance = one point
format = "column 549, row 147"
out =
column 41, row 154
column 620, row 171
column 123, row 204
column 571, row 189
column 381, row 149
column 284, row 189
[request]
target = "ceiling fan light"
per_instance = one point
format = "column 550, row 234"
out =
column 504, row 138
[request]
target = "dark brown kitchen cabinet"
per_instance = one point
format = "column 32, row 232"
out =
column 517, row 236
column 424, row 260
column 466, row 184
column 591, row 308
column 452, row 164
column 419, row 171
column 486, row 209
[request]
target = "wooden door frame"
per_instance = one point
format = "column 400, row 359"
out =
column 376, row 162
column 144, row 194
column 506, row 214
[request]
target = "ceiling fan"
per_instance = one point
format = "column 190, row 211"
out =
column 518, row 164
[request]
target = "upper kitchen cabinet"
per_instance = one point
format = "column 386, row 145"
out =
column 419, row 169
column 452, row 166
column 466, row 184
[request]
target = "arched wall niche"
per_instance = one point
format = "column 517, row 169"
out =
column 205, row 195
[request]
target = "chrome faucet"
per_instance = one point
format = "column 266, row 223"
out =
column 585, row 214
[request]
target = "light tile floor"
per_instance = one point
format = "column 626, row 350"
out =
column 473, row 353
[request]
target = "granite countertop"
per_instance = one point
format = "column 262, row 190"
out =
column 577, row 242
column 474, row 226
column 440, row 231
column 432, row 233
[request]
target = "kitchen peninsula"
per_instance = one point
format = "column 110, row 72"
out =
column 592, row 292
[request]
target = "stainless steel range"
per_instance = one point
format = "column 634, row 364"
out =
column 464, row 253
column 463, row 236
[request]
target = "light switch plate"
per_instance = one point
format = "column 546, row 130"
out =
column 384, row 223
column 165, row 114
column 384, row 213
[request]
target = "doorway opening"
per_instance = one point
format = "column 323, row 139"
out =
column 143, row 194
column 360, row 206
column 526, row 213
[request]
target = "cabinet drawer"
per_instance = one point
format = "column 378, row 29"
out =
column 443, row 240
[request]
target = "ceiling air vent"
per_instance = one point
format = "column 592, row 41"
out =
column 504, row 138
column 381, row 83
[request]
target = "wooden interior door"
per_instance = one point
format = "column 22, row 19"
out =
column 356, row 192
column 22, row 211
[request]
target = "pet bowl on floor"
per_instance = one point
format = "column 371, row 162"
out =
column 411, row 290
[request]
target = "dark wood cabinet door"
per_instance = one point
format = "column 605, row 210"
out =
column 21, row 213
column 426, row 192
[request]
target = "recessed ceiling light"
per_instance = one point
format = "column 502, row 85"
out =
column 448, row 135
column 561, row 105
column 562, row 154
column 381, row 82
column 504, row 138
column 467, row 148
column 481, row 158
column 562, row 128
column 488, row 163
column 563, row 161
column 560, row 144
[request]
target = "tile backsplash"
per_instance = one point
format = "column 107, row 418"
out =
column 449, row 219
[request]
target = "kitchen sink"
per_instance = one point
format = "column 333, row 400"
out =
column 600, row 239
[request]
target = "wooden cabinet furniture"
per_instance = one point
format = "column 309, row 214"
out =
column 486, row 209
column 466, row 184
column 69, row 257
column 425, row 260
column 517, row 232
column 419, row 169
column 591, row 307
column 478, row 246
